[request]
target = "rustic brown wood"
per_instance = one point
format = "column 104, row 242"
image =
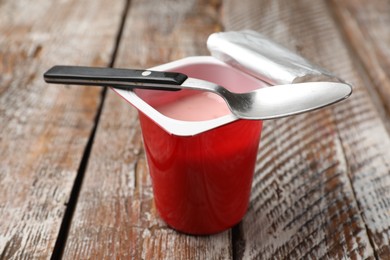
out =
column 44, row 130
column 366, row 24
column 115, row 215
column 319, row 188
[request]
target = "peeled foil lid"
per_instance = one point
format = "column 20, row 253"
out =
column 255, row 54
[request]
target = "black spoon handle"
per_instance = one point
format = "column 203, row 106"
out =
column 117, row 78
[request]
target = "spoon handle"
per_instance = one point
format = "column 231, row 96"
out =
column 118, row 78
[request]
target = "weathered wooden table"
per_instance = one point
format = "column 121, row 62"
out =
column 73, row 177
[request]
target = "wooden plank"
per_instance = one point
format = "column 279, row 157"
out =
column 367, row 27
column 44, row 130
column 115, row 215
column 320, row 185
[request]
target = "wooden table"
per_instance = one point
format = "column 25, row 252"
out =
column 73, row 177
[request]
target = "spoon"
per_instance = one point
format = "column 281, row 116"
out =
column 261, row 104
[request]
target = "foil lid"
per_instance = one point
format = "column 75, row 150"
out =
column 262, row 58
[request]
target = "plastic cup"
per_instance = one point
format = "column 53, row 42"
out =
column 201, row 181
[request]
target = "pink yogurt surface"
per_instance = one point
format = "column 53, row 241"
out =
column 202, row 106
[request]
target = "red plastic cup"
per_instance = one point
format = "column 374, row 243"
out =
column 202, row 183
column 201, row 180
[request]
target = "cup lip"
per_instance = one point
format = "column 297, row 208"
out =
column 175, row 126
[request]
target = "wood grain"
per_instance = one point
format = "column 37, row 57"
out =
column 319, row 188
column 115, row 215
column 44, row 129
column 366, row 25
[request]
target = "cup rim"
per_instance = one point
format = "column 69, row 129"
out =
column 175, row 126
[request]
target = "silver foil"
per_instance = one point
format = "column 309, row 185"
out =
column 262, row 58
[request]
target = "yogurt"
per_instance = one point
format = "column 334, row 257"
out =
column 198, row 107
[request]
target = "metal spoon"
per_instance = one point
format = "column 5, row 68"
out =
column 264, row 103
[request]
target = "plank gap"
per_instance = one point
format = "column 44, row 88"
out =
column 120, row 33
column 71, row 205
column 238, row 242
